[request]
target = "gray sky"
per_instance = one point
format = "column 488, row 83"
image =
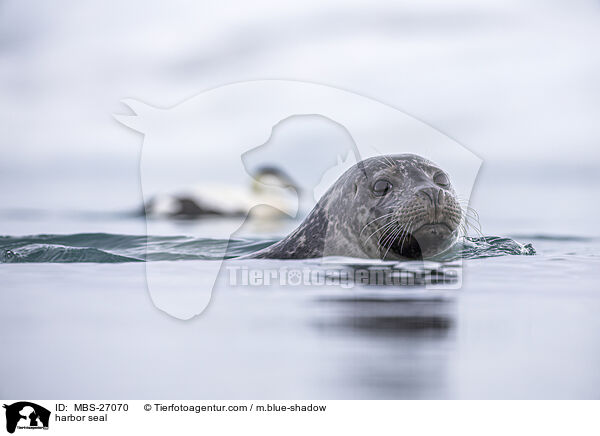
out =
column 514, row 81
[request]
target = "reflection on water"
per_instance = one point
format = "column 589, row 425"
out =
column 394, row 317
column 396, row 347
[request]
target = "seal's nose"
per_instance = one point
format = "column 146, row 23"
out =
column 435, row 195
column 435, row 198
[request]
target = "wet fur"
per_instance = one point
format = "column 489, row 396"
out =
column 350, row 220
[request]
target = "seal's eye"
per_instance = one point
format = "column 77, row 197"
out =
column 382, row 187
column 441, row 179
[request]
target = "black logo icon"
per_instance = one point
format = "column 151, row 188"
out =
column 26, row 415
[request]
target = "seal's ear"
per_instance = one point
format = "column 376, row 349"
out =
column 142, row 113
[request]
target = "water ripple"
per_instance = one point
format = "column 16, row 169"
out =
column 113, row 248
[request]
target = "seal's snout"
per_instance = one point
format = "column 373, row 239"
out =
column 432, row 194
column 434, row 199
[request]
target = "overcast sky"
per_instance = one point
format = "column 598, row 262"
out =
column 515, row 81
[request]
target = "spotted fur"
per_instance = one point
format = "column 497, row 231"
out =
column 418, row 217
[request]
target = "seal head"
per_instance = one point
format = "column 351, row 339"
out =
column 385, row 207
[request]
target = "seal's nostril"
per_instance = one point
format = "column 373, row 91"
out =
column 433, row 194
column 427, row 194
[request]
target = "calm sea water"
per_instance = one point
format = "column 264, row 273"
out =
column 76, row 312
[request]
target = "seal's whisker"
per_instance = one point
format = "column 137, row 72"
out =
column 466, row 204
column 464, row 226
column 463, row 229
column 376, row 219
column 405, row 235
column 389, row 160
column 478, row 231
column 385, row 157
column 474, row 212
column 468, row 209
column 385, row 236
column 391, row 237
column 386, row 226
column 394, row 237
column 382, row 228
column 387, row 215
column 392, row 240
column 379, row 229
column 470, row 219
column 470, row 222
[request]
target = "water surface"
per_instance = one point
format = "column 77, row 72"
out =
column 522, row 325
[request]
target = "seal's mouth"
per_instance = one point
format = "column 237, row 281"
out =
column 427, row 240
column 407, row 248
column 433, row 229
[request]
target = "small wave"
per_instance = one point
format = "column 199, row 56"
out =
column 112, row 248
column 46, row 253
column 490, row 246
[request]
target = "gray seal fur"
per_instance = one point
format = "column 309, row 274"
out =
column 385, row 207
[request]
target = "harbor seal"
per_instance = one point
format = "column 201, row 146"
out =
column 385, row 207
